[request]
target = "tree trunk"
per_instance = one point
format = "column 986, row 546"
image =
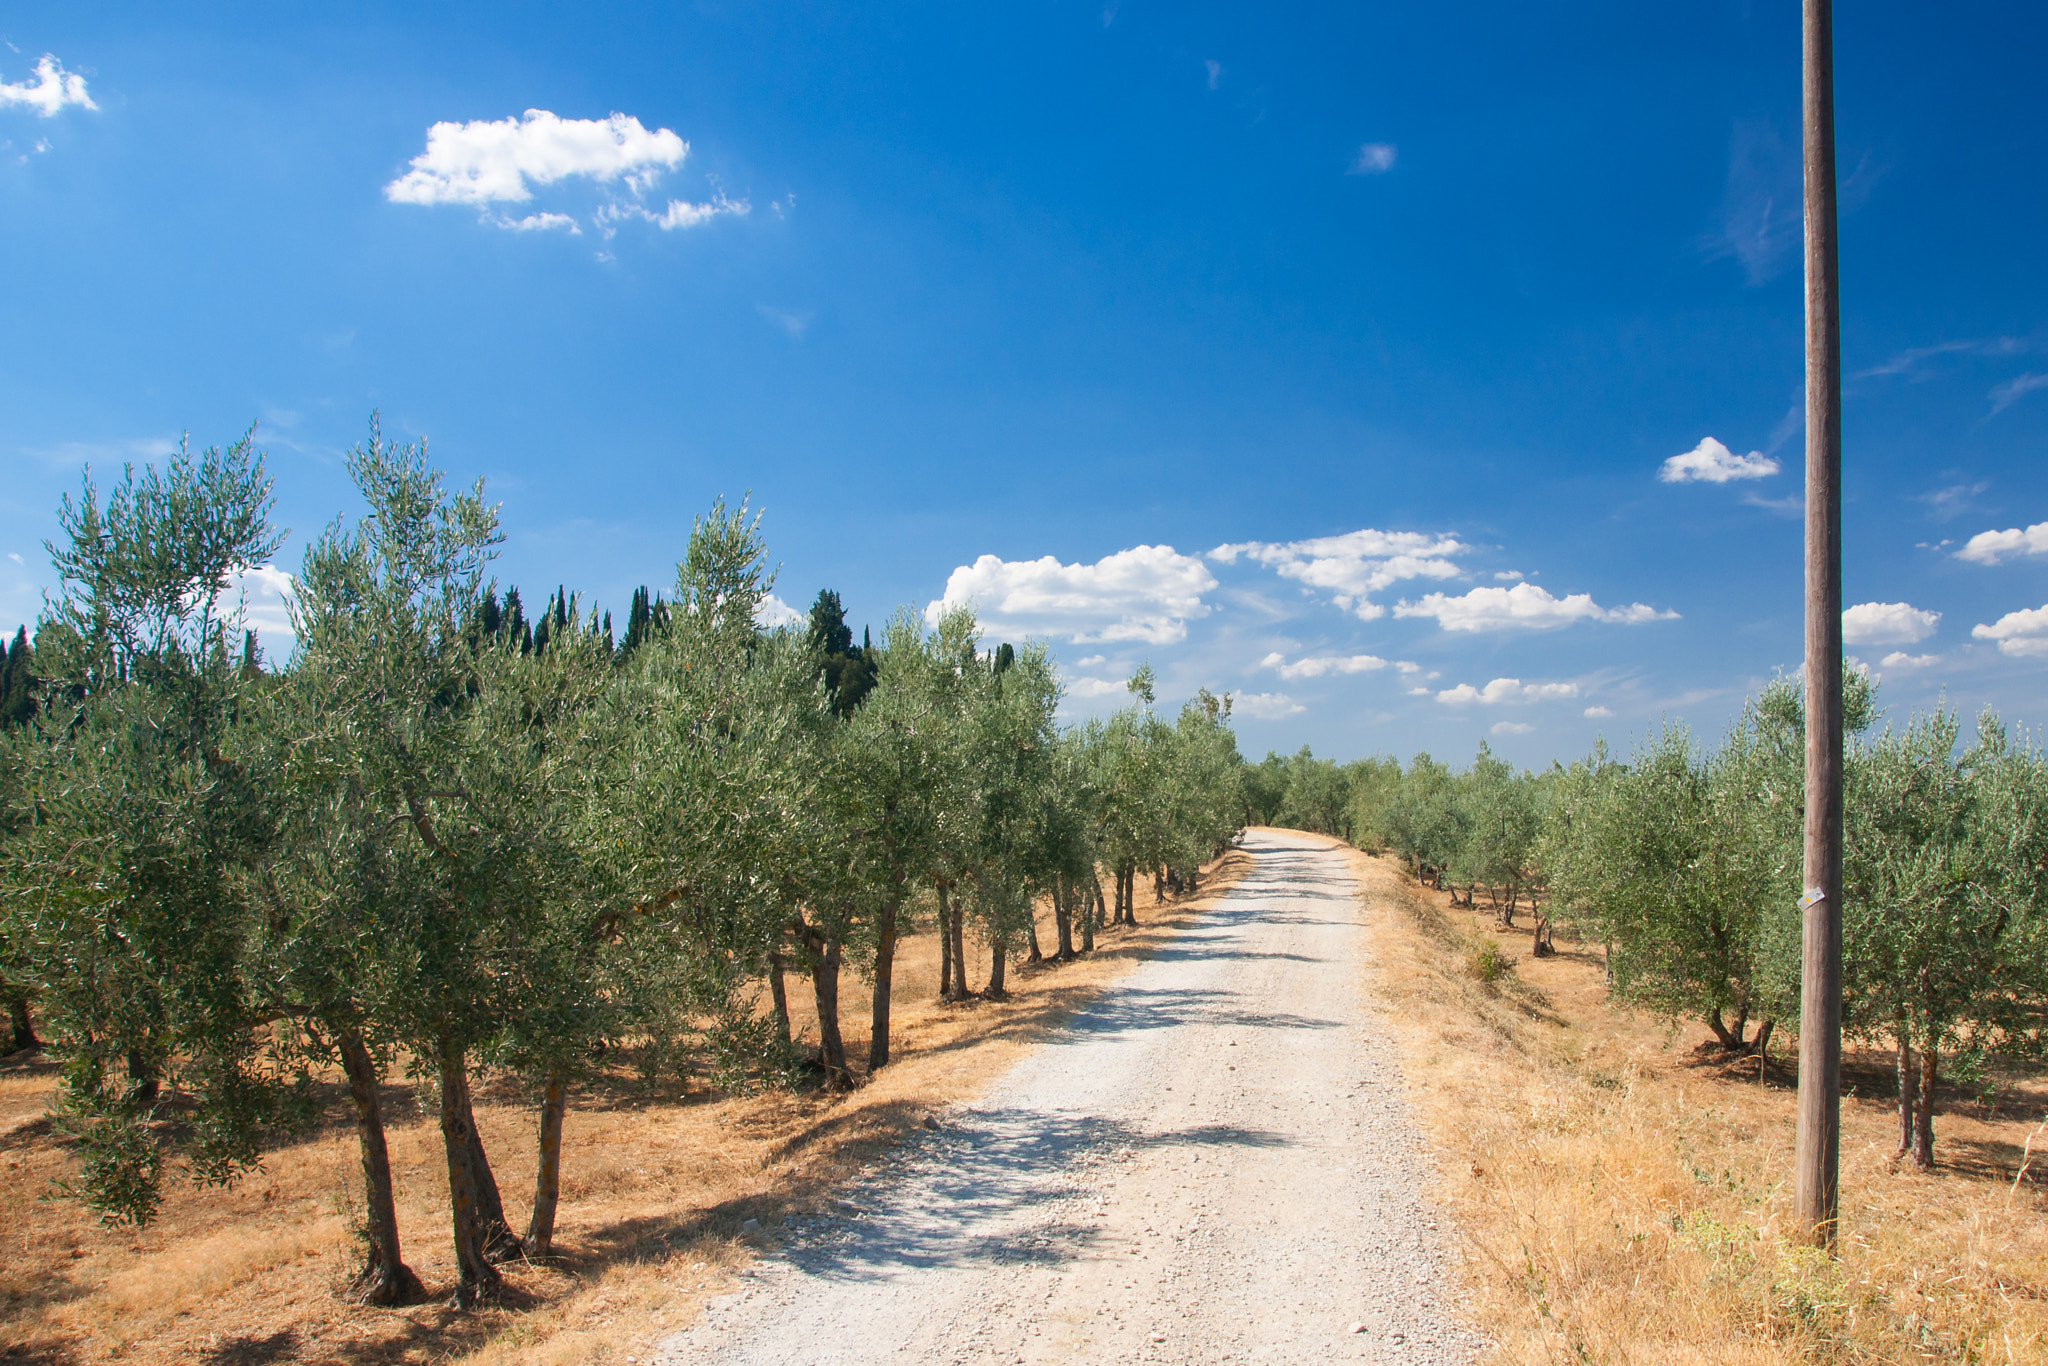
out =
column 1037, row 954
column 1721, row 1031
column 1762, row 1046
column 1923, row 1121
column 478, row 1282
column 144, row 1082
column 499, row 1244
column 24, row 1028
column 385, row 1278
column 945, row 947
column 1909, row 1084
column 1091, row 911
column 958, row 930
column 547, row 1176
column 885, row 968
column 999, row 954
column 778, row 992
column 1063, row 918
column 825, row 958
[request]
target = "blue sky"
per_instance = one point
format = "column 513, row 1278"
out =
column 1417, row 373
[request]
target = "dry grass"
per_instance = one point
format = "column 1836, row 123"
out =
column 655, row 1189
column 1623, row 1192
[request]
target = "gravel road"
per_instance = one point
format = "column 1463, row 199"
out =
column 1214, row 1163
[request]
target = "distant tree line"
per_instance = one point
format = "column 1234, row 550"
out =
column 448, row 837
column 1683, row 864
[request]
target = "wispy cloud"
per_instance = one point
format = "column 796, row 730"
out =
column 1355, row 564
column 1509, row 691
column 791, row 322
column 1512, row 728
column 1887, row 623
column 1598, row 712
column 1374, row 158
column 1525, row 606
column 53, row 89
column 1761, row 213
column 1989, row 547
column 1215, row 70
column 1899, row 659
column 1147, row 593
column 1912, row 362
column 1946, row 504
column 2013, row 390
column 1710, row 462
column 2022, row 634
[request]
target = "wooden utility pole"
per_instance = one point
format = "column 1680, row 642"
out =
column 1817, row 1180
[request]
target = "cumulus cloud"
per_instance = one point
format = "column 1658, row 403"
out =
column 1526, row 606
column 1094, row 687
column 52, row 89
column 1512, row 728
column 1355, row 564
column 1267, row 706
column 2022, row 634
column 773, row 612
column 499, row 161
column 1317, row 666
column 1887, row 623
column 1710, row 462
column 1375, row 158
column 1148, row 593
column 1506, row 690
column 1989, row 547
column 543, row 222
column 1899, row 659
column 1596, row 712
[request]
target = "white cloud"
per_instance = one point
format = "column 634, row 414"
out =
column 1596, row 712
column 1267, row 706
column 1375, row 158
column 1524, row 605
column 1989, row 547
column 264, row 593
column 2010, row 392
column 499, row 161
column 1355, row 564
column 1094, row 687
column 1147, row 593
column 1408, row 666
column 1710, row 462
column 1506, row 690
column 1215, row 70
column 2022, row 634
column 1508, row 575
column 1091, row 661
column 52, row 89
column 1316, row 667
column 542, row 222
column 773, row 612
column 1418, row 692
column 1899, row 659
column 1887, row 623
column 1512, row 728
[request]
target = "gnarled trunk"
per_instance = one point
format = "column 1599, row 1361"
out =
column 1909, row 1083
column 478, row 1282
column 885, row 967
column 24, row 1027
column 1923, row 1119
column 957, row 928
column 826, row 953
column 385, row 1279
column 500, row 1245
column 547, row 1175
column 778, row 993
column 1091, row 911
column 1063, row 918
column 999, row 953
column 1037, row 954
column 945, row 946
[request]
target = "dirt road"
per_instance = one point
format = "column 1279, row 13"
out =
column 1215, row 1163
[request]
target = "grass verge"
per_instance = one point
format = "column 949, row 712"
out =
column 1622, row 1190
